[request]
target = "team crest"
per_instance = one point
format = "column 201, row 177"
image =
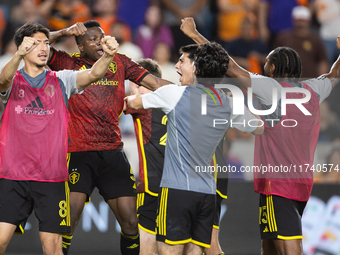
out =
column 49, row 90
column 113, row 67
column 74, row 177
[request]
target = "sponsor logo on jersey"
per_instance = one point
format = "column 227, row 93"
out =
column 36, row 108
column 105, row 82
column 18, row 109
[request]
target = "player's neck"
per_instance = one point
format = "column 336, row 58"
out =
column 33, row 70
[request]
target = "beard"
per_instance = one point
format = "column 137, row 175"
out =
column 41, row 65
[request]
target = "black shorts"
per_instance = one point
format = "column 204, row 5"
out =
column 280, row 218
column 109, row 171
column 147, row 212
column 185, row 216
column 49, row 200
column 217, row 212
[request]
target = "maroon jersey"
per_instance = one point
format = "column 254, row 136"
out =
column 151, row 133
column 94, row 113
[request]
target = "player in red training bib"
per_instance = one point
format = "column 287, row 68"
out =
column 288, row 142
column 33, row 137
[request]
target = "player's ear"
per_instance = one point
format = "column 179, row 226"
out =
column 194, row 70
column 80, row 47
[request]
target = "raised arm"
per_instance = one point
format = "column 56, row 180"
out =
column 9, row 70
column 74, row 30
column 334, row 73
column 98, row 70
column 188, row 27
column 234, row 70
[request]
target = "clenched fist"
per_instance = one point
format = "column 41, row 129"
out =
column 27, row 46
column 76, row 30
column 188, row 26
column 109, row 45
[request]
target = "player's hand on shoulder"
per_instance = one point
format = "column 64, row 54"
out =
column 188, row 26
column 110, row 45
column 27, row 46
column 75, row 30
column 338, row 42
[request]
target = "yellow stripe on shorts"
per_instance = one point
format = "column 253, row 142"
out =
column 140, row 199
column 271, row 214
column 162, row 212
column 68, row 217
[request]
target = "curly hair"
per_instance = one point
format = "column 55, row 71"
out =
column 287, row 63
column 211, row 61
column 29, row 29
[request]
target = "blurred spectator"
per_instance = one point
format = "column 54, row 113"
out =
column 332, row 173
column 105, row 12
column 122, row 34
column 175, row 10
column 328, row 15
column 65, row 13
column 153, row 32
column 329, row 126
column 29, row 10
column 2, row 26
column 274, row 17
column 230, row 17
column 248, row 51
column 68, row 44
column 162, row 54
column 25, row 11
column 307, row 44
column 134, row 17
column 9, row 50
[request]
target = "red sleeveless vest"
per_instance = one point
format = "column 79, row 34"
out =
column 288, row 149
column 33, row 134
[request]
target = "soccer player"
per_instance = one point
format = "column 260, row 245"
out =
column 185, row 69
column 33, row 136
column 283, row 195
column 187, row 195
column 150, row 129
column 96, row 151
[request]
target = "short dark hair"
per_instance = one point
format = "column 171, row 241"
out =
column 88, row 24
column 29, row 29
column 211, row 61
column 190, row 49
column 287, row 63
column 151, row 66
